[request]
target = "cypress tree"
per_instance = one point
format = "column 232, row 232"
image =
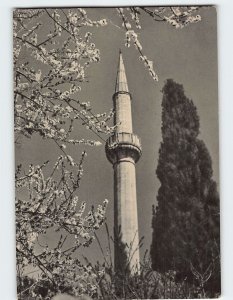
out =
column 186, row 220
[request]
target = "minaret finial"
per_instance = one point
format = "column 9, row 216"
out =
column 121, row 80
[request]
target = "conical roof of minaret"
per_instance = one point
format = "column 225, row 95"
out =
column 121, row 80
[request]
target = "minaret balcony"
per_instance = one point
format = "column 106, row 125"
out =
column 123, row 145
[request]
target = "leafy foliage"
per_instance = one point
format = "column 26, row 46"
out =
column 146, row 284
column 186, row 221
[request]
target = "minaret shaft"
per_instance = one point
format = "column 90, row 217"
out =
column 123, row 150
column 125, row 203
column 123, row 114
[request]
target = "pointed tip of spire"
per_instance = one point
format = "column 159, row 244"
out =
column 121, row 80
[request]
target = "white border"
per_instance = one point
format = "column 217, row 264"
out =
column 225, row 44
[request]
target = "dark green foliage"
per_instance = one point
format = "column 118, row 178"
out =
column 186, row 220
column 28, row 289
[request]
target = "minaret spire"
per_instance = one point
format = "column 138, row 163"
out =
column 121, row 80
column 123, row 150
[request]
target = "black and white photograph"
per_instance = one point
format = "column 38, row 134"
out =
column 116, row 137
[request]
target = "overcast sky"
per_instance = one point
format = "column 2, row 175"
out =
column 189, row 56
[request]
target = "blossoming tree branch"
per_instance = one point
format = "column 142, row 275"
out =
column 51, row 65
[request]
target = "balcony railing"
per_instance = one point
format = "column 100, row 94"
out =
column 124, row 138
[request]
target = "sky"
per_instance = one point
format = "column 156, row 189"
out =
column 189, row 56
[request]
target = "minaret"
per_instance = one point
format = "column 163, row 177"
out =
column 123, row 150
